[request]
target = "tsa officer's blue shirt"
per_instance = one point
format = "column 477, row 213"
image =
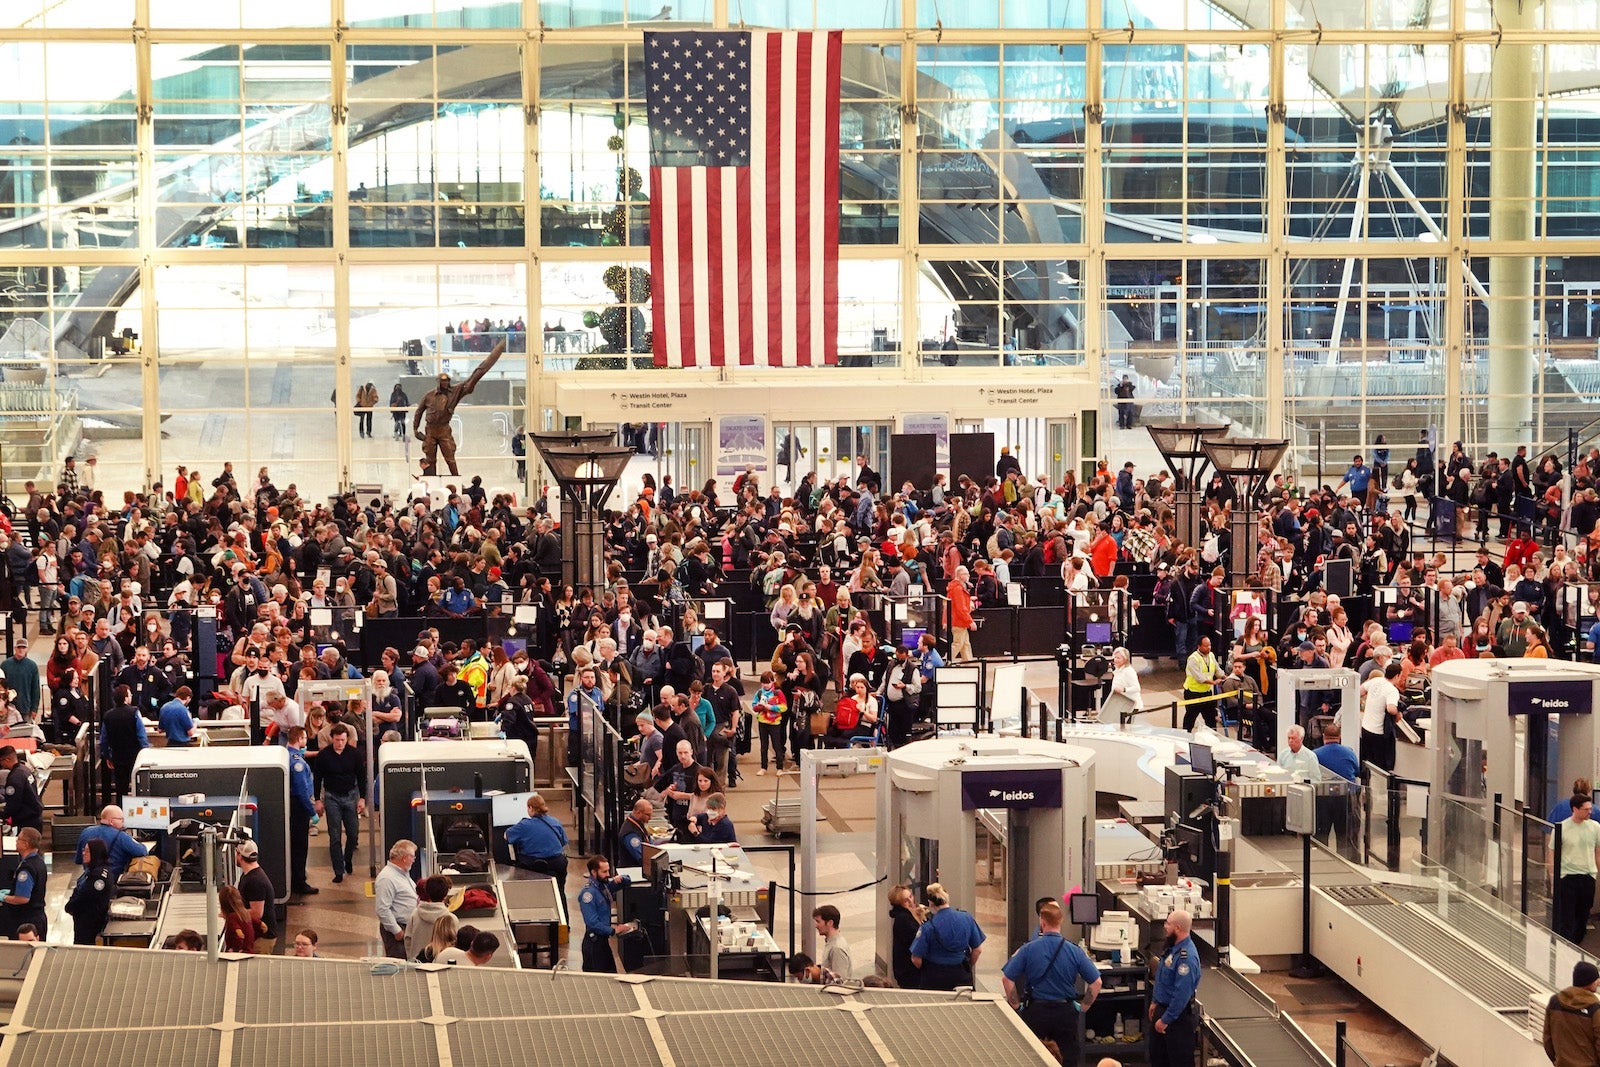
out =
column 538, row 837
column 595, row 904
column 300, row 782
column 1176, row 979
column 1047, row 982
column 634, row 838
column 947, row 937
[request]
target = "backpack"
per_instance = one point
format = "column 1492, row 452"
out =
column 469, row 861
column 463, row 834
column 846, row 715
column 1208, row 549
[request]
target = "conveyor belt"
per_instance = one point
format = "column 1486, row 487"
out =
column 1444, row 950
column 1245, row 1025
column 1482, row 926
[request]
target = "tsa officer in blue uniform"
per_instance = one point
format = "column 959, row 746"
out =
column 302, row 808
column 595, row 904
column 1172, row 1009
column 947, row 947
column 541, row 841
column 1052, row 966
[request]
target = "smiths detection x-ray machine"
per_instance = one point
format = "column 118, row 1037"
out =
column 929, row 800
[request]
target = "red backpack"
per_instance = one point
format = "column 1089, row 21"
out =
column 847, row 715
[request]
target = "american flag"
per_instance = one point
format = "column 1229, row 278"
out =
column 744, row 197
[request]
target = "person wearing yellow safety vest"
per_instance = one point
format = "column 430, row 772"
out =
column 474, row 670
column 1200, row 677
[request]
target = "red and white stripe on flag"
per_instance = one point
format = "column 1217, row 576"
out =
column 745, row 260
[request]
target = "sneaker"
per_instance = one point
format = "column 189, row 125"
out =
column 338, row 879
column 306, row 890
column 761, row 772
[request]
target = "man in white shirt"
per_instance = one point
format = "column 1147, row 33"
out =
column 395, row 896
column 834, row 958
column 285, row 712
column 1297, row 759
column 1380, row 703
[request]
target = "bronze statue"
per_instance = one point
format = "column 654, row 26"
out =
column 437, row 406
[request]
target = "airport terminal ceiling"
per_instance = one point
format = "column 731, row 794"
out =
column 1281, row 227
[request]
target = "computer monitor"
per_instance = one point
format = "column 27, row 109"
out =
column 1083, row 909
column 911, row 636
column 1097, row 633
column 647, row 859
column 1400, row 633
column 1200, row 759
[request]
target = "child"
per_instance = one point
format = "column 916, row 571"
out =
column 771, row 706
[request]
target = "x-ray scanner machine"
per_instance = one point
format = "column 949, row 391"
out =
column 256, row 775
column 1507, row 730
column 931, row 796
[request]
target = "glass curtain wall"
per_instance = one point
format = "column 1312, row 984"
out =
column 218, row 230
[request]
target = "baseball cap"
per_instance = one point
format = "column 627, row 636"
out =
column 1307, row 646
column 420, row 650
column 1519, row 606
column 494, row 573
column 247, row 850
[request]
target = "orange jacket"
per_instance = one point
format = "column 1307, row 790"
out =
column 960, row 605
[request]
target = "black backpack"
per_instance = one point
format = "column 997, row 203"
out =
column 462, row 834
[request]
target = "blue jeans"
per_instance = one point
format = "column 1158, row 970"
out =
column 1184, row 640
column 342, row 820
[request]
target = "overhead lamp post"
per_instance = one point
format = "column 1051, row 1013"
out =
column 1182, row 445
column 586, row 473
column 1249, row 462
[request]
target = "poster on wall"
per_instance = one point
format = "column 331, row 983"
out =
column 741, row 443
column 935, row 423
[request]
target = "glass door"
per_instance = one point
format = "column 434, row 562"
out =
column 682, row 455
column 828, row 450
column 1060, row 448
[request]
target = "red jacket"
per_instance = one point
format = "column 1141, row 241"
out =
column 1103, row 554
column 960, row 605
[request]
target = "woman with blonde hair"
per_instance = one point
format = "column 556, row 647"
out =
column 905, row 916
column 784, row 607
column 442, row 938
column 948, row 944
